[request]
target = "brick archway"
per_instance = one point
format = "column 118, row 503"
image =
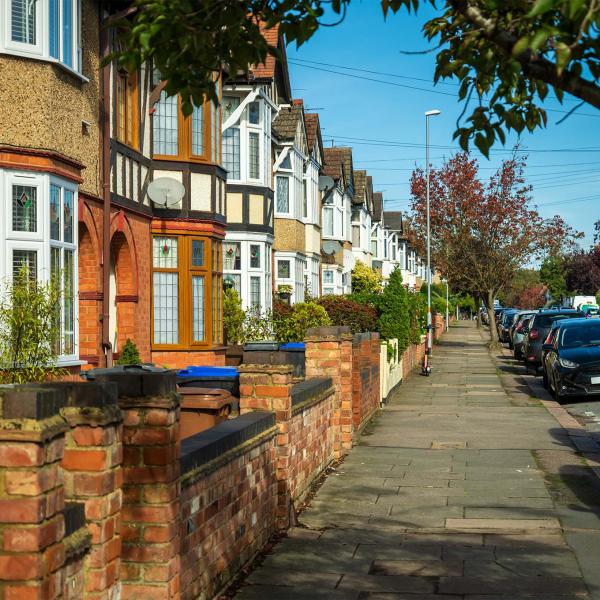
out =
column 90, row 294
column 123, row 290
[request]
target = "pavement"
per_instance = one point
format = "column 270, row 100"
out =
column 466, row 486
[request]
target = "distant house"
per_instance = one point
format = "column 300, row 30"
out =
column 250, row 105
column 362, row 212
column 338, row 259
column 292, row 153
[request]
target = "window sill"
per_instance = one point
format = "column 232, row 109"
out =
column 71, row 362
column 47, row 59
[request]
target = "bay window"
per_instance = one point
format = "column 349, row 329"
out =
column 45, row 29
column 40, row 235
column 334, row 217
column 177, row 137
column 246, row 143
column 187, row 291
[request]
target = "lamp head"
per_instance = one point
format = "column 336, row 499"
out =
column 433, row 113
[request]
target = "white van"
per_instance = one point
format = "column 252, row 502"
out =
column 577, row 301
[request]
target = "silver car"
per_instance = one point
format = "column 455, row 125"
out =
column 518, row 332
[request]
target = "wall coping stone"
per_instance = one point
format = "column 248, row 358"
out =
column 331, row 333
column 137, row 384
column 170, row 401
column 310, row 388
column 207, row 445
column 258, row 368
column 30, row 402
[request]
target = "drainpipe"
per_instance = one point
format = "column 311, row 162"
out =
column 105, row 151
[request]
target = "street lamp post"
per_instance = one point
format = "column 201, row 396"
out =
column 447, row 308
column 429, row 113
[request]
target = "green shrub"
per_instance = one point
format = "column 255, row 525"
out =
column 129, row 355
column 365, row 279
column 257, row 327
column 30, row 330
column 233, row 317
column 344, row 311
column 394, row 317
column 417, row 317
column 292, row 326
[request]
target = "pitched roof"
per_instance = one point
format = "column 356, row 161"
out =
column 285, row 124
column 267, row 69
column 394, row 220
column 360, row 187
column 333, row 163
column 377, row 206
column 313, row 131
column 369, row 194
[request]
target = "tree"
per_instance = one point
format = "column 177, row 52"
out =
column 531, row 297
column 522, row 280
column 365, row 279
column 507, row 54
column 582, row 271
column 552, row 274
column 130, row 354
column 482, row 234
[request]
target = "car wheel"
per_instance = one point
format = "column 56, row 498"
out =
column 557, row 395
column 545, row 378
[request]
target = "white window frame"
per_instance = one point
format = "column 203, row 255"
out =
column 40, row 241
column 289, row 213
column 41, row 49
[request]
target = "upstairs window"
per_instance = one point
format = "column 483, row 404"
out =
column 48, row 29
column 127, row 108
column 193, row 138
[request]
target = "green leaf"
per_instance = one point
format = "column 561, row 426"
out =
column 540, row 7
column 521, row 45
column 563, row 55
column 575, row 6
column 482, row 144
column 539, row 39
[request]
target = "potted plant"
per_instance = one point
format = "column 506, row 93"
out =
column 284, row 291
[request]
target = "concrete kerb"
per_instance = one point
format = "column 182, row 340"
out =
column 571, row 426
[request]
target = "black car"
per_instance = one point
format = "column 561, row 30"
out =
column 505, row 322
column 539, row 328
column 572, row 359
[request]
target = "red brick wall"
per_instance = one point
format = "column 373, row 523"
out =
column 366, row 354
column 227, row 516
column 305, row 444
column 329, row 354
column 183, row 359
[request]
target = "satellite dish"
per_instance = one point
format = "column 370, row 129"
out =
column 326, row 183
column 331, row 246
column 166, row 191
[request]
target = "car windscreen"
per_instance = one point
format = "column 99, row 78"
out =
column 575, row 336
column 507, row 318
column 547, row 320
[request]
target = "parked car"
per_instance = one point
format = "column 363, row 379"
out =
column 539, row 327
column 517, row 317
column 571, row 364
column 520, row 328
column 505, row 324
column 591, row 311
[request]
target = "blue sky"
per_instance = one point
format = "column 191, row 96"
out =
column 562, row 169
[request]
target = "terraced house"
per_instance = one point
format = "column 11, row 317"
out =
column 250, row 104
column 50, row 167
column 338, row 259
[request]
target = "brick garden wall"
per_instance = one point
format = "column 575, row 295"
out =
column 100, row 500
column 366, row 388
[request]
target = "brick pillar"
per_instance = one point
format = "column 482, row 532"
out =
column 32, row 499
column 150, row 517
column 93, row 475
column 329, row 354
column 269, row 387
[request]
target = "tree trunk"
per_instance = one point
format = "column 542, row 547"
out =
column 478, row 304
column 492, row 316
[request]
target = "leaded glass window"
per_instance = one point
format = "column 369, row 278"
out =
column 54, row 212
column 198, row 308
column 283, row 194
column 253, row 155
column 164, row 252
column 255, row 293
column 231, row 152
column 232, row 255
column 254, row 256
column 166, row 308
column 165, row 126
column 24, row 208
column 27, row 259
column 197, row 253
column 198, row 130
column 283, row 269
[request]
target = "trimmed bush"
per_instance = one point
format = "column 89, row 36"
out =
column 395, row 314
column 365, row 279
column 345, row 311
column 292, row 327
column 233, row 317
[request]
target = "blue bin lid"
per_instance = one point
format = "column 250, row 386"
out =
column 293, row 346
column 200, row 371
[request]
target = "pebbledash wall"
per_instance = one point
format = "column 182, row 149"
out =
column 99, row 499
